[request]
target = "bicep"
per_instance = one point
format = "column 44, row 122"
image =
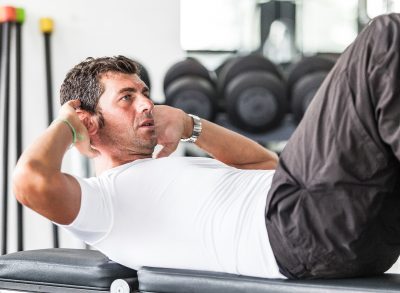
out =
column 61, row 202
column 54, row 195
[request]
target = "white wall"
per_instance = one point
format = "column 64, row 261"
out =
column 146, row 30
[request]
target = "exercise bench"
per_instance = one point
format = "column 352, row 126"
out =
column 184, row 281
column 78, row 270
column 64, row 270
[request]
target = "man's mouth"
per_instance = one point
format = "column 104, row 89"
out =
column 147, row 123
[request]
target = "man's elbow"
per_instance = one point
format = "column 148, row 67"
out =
column 271, row 164
column 28, row 184
column 274, row 161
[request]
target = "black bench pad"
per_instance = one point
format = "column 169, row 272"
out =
column 73, row 270
column 180, row 281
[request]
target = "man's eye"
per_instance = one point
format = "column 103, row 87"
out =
column 126, row 98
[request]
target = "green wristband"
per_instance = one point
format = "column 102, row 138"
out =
column 74, row 135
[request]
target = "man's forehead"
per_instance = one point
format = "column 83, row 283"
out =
column 117, row 79
column 115, row 83
column 111, row 75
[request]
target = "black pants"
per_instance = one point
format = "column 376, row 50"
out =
column 334, row 206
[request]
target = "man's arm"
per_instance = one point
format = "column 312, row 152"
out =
column 38, row 182
column 225, row 145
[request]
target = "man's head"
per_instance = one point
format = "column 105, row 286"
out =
column 115, row 107
column 83, row 82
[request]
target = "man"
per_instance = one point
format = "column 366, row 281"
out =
column 332, row 209
column 167, row 212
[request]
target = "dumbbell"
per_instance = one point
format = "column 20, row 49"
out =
column 189, row 86
column 254, row 93
column 144, row 74
column 304, row 79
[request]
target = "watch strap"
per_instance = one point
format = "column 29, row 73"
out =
column 197, row 128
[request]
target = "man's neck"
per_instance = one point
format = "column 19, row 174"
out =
column 103, row 163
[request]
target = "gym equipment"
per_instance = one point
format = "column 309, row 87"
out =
column 276, row 10
column 180, row 281
column 144, row 74
column 20, row 17
column 254, row 93
column 64, row 270
column 78, row 270
column 278, row 33
column 304, row 79
column 189, row 86
column 7, row 17
column 46, row 26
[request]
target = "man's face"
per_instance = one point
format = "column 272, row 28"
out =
column 127, row 111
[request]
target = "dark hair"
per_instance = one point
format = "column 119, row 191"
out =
column 83, row 81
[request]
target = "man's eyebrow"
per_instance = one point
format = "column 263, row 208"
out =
column 132, row 89
column 127, row 89
column 145, row 89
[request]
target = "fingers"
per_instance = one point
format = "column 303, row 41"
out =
column 166, row 150
column 69, row 108
column 86, row 149
column 70, row 111
column 74, row 103
column 92, row 152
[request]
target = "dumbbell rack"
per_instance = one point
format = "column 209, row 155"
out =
column 275, row 139
column 247, row 94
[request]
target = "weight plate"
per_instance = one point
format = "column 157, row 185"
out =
column 194, row 95
column 184, row 68
column 256, row 101
column 307, row 66
column 194, row 102
column 257, row 106
column 242, row 64
column 144, row 75
column 304, row 91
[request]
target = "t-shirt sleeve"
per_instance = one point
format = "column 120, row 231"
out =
column 94, row 218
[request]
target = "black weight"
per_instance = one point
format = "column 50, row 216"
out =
column 303, row 81
column 304, row 91
column 194, row 95
column 307, row 66
column 144, row 75
column 189, row 66
column 255, row 101
column 241, row 64
column 189, row 86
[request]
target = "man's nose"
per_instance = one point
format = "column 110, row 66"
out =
column 145, row 104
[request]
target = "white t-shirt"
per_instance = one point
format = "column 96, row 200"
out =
column 179, row 212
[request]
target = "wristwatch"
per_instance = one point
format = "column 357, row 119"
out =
column 196, row 129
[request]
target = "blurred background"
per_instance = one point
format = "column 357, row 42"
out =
column 250, row 65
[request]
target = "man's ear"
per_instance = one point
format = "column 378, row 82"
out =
column 89, row 120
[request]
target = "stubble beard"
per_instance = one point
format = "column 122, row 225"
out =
column 128, row 141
